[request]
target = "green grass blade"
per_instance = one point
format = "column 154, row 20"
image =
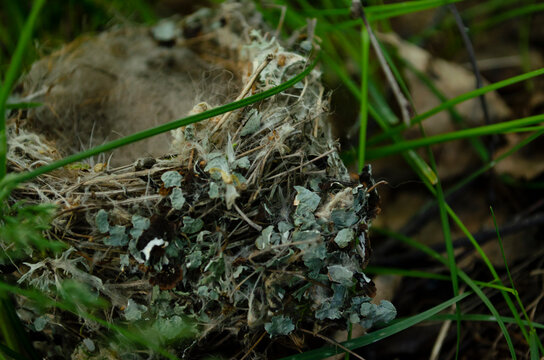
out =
column 509, row 14
column 21, row 177
column 22, row 105
column 375, row 270
column 496, row 277
column 7, row 354
column 378, row 335
column 462, row 275
column 498, row 128
column 533, row 345
column 365, row 49
column 482, row 317
column 11, row 77
column 145, row 10
column 381, row 12
column 478, row 92
column 416, row 162
column 383, row 118
column 516, row 295
column 457, row 100
column 476, row 143
column 494, row 162
column 446, row 231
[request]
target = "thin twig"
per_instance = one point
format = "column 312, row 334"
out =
column 357, row 10
column 253, row 346
column 440, row 340
column 248, row 220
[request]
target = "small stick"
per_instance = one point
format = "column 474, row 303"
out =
column 248, row 220
column 190, row 163
column 440, row 340
column 253, row 346
column 245, row 90
column 405, row 108
column 282, row 19
column 251, row 150
column 381, row 182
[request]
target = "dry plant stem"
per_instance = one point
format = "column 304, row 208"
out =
column 381, row 182
column 435, row 353
column 245, row 90
column 405, row 108
column 253, row 346
column 333, row 343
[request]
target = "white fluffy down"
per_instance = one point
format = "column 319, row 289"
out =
column 150, row 245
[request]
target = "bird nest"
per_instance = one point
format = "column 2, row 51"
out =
column 224, row 231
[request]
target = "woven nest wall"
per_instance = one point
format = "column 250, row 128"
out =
column 238, row 226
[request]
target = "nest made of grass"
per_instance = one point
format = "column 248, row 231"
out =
column 250, row 222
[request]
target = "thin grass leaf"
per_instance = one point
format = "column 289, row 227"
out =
column 499, row 128
column 145, row 11
column 6, row 354
column 11, row 76
column 476, row 143
column 481, row 317
column 363, row 116
column 491, row 164
column 378, row 270
column 457, row 100
column 380, row 334
column 507, row 15
column 496, row 277
column 12, row 330
column 533, row 345
column 64, row 305
column 23, row 105
column 471, row 283
column 414, row 160
column 381, row 12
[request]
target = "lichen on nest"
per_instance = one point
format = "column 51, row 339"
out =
column 251, row 223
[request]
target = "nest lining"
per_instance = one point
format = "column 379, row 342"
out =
column 256, row 222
